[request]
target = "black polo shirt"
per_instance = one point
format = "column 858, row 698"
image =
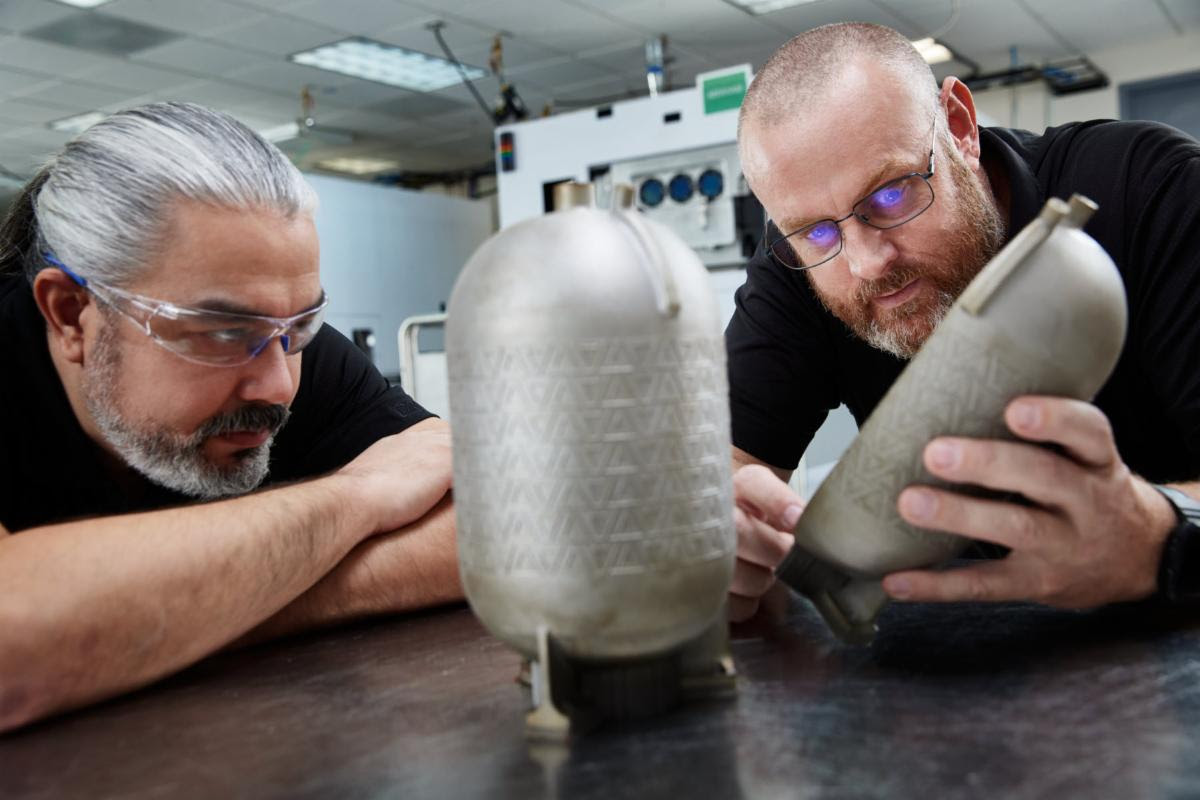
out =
column 50, row 470
column 791, row 361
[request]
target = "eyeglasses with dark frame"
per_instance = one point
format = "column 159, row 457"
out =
column 896, row 202
column 200, row 335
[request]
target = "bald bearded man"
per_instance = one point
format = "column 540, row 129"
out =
column 885, row 199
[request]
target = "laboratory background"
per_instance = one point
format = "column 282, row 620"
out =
column 426, row 127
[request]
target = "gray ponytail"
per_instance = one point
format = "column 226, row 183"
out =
column 101, row 205
column 18, row 232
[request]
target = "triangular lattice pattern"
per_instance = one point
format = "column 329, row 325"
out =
column 596, row 457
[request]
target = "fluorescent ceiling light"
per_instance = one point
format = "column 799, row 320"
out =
column 297, row 130
column 757, row 7
column 358, row 166
column 932, row 51
column 281, row 133
column 78, row 123
column 83, row 3
column 385, row 63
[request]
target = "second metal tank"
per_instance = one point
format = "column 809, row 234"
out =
column 1045, row 316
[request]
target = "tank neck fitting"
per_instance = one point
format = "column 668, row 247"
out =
column 571, row 194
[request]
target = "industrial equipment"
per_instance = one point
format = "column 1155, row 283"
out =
column 678, row 149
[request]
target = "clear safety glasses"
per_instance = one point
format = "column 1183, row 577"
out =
column 200, row 335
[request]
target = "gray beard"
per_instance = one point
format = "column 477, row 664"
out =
column 889, row 340
column 169, row 459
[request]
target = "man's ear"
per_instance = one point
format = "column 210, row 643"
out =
column 960, row 115
column 64, row 304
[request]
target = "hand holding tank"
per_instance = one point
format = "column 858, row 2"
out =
column 1045, row 316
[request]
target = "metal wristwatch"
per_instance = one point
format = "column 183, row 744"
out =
column 1179, row 569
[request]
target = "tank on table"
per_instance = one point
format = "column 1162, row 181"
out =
column 592, row 474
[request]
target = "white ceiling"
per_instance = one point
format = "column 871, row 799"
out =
column 232, row 55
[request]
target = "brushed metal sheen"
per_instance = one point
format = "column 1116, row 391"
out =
column 1046, row 316
column 592, row 474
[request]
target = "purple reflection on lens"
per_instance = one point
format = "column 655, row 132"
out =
column 823, row 234
column 887, row 198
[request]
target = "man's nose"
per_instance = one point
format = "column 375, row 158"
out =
column 870, row 252
column 267, row 378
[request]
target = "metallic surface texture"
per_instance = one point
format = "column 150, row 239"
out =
column 591, row 436
column 1045, row 316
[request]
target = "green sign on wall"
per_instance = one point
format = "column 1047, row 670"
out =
column 723, row 92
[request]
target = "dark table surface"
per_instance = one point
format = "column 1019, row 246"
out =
column 963, row 701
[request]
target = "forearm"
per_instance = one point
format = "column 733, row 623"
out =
column 410, row 568
column 97, row 607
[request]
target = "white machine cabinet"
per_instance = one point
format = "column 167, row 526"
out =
column 682, row 162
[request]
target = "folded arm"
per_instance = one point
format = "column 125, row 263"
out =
column 413, row 567
column 93, row 608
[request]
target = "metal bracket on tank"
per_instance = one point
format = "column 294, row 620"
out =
column 574, row 194
column 572, row 696
column 546, row 721
column 707, row 664
column 849, row 605
column 1074, row 214
column 666, row 295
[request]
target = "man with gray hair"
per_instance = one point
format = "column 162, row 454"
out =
column 885, row 199
column 161, row 308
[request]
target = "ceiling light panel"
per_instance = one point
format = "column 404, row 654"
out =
column 933, row 51
column 84, row 3
column 358, row 166
column 78, row 123
column 757, row 7
column 385, row 63
column 280, row 133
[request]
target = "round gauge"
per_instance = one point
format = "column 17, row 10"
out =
column 681, row 188
column 651, row 193
column 710, row 183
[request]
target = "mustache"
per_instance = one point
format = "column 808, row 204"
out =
column 895, row 279
column 247, row 418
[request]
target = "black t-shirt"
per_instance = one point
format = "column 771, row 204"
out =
column 791, row 361
column 50, row 470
